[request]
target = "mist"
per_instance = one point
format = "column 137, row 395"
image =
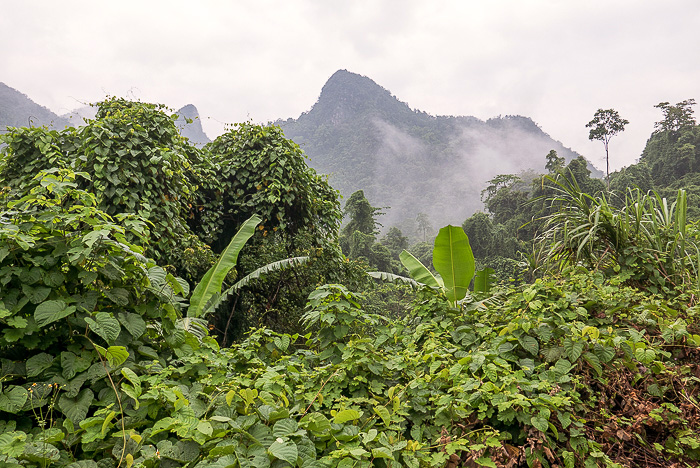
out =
column 444, row 177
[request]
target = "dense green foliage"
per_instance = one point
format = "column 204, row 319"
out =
column 106, row 361
column 358, row 238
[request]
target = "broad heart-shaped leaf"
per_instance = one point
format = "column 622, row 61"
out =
column 573, row 349
column 36, row 294
column 346, row 415
column 76, row 408
column 12, row 443
column 284, row 427
column 286, row 451
column 454, row 261
column 133, row 323
column 529, row 344
column 214, row 278
column 38, row 363
column 417, row 270
column 116, row 355
column 50, row 311
column 12, row 399
column 540, row 423
column 104, row 325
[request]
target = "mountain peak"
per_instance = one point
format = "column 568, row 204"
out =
column 189, row 112
column 190, row 125
column 348, row 95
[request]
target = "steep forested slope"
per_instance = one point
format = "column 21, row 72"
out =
column 412, row 161
column 17, row 110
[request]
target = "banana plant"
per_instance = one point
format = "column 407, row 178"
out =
column 207, row 295
column 453, row 260
column 210, row 285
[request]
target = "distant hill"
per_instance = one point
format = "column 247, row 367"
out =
column 190, row 125
column 411, row 161
column 17, row 110
column 77, row 116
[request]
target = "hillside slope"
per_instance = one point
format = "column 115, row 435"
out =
column 411, row 161
column 18, row 110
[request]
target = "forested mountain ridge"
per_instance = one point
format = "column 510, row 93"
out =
column 411, row 161
column 18, row 110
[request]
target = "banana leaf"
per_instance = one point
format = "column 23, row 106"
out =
column 454, row 261
column 210, row 285
column 418, row 271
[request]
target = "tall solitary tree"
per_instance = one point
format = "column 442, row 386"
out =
column 424, row 225
column 606, row 124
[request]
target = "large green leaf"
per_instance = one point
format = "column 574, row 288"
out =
column 454, row 261
column 12, row 443
column 384, row 276
column 51, row 311
column 279, row 265
column 483, row 280
column 38, row 363
column 210, row 284
column 346, row 415
column 286, row 451
column 105, row 325
column 76, row 408
column 417, row 270
column 12, row 399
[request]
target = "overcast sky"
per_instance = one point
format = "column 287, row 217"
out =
column 556, row 61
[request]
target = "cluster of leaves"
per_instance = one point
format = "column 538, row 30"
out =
column 83, row 314
column 542, row 375
column 647, row 241
column 259, row 171
column 517, row 206
column 193, row 199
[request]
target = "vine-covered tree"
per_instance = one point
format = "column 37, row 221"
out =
column 673, row 151
column 606, row 124
column 362, row 215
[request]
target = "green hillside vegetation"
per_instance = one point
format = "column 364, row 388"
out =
column 408, row 160
column 163, row 305
column 518, row 205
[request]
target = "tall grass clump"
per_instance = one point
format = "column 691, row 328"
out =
column 648, row 239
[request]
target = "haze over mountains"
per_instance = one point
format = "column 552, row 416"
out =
column 363, row 137
column 411, row 161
